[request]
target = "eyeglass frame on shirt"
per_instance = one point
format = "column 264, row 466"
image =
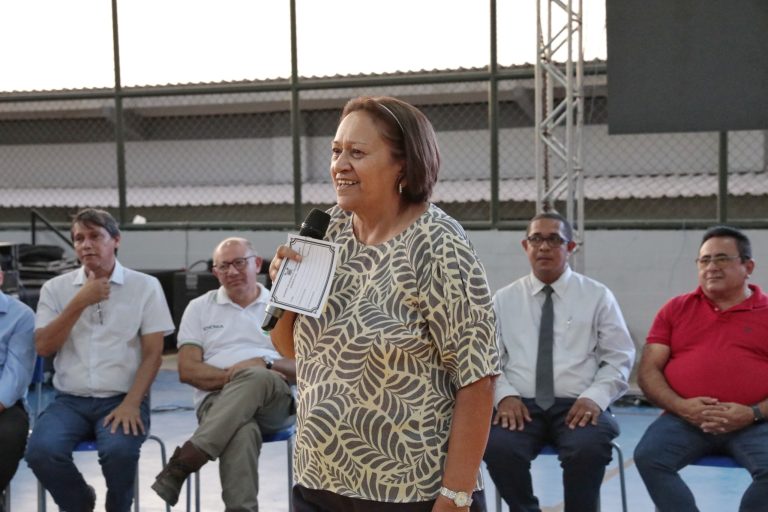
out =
column 238, row 263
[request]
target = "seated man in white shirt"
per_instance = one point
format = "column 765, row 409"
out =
column 556, row 395
column 242, row 384
column 106, row 324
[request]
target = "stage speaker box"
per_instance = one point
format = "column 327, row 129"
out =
column 187, row 286
column 190, row 285
column 9, row 263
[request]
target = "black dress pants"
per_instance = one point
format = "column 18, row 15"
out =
column 14, row 427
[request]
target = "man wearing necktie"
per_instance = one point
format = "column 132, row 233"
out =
column 566, row 355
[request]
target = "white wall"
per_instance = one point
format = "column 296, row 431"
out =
column 642, row 268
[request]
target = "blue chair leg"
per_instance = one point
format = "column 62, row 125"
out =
column 163, row 460
column 622, row 478
column 193, row 480
column 41, row 497
column 189, row 492
column 289, row 445
column 197, row 492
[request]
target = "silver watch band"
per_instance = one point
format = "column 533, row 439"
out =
column 460, row 498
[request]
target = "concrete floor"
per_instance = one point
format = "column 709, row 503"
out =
column 173, row 420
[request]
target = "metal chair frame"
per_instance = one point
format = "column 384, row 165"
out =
column 715, row 461
column 287, row 434
column 550, row 450
column 38, row 377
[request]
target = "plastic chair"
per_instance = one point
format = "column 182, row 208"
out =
column 550, row 450
column 38, row 379
column 718, row 461
column 286, row 434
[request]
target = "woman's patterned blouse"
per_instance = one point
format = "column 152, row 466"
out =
column 407, row 323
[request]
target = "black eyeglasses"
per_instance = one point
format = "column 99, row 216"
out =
column 719, row 260
column 238, row 263
column 552, row 240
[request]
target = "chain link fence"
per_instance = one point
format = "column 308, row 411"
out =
column 204, row 158
column 213, row 157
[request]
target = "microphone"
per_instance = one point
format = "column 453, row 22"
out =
column 314, row 226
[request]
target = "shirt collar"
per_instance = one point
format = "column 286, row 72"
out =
column 117, row 277
column 223, row 298
column 756, row 300
column 559, row 286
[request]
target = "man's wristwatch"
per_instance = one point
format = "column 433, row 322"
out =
column 460, row 498
column 268, row 362
column 759, row 416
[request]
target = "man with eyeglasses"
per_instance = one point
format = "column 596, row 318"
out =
column 705, row 363
column 243, row 387
column 105, row 324
column 566, row 355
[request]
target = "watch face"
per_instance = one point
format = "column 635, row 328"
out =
column 461, row 499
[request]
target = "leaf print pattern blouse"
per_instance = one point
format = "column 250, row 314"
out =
column 407, row 323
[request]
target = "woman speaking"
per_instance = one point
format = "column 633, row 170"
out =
column 395, row 378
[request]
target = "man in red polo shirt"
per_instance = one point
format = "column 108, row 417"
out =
column 705, row 364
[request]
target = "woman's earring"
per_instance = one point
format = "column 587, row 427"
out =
column 400, row 188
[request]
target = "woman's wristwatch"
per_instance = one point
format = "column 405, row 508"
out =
column 759, row 416
column 460, row 498
column 268, row 362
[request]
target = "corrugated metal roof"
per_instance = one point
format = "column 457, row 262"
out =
column 241, row 82
column 523, row 189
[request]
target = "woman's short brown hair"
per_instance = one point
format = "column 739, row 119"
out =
column 411, row 137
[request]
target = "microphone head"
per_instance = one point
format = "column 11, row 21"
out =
column 316, row 224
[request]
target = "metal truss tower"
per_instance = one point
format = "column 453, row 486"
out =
column 560, row 113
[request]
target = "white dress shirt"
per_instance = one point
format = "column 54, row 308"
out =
column 103, row 351
column 593, row 352
column 226, row 332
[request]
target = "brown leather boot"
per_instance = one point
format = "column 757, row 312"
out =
column 184, row 461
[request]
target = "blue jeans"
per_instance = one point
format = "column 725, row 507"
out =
column 584, row 452
column 69, row 420
column 671, row 443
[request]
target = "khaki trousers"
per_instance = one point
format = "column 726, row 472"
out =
column 231, row 423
